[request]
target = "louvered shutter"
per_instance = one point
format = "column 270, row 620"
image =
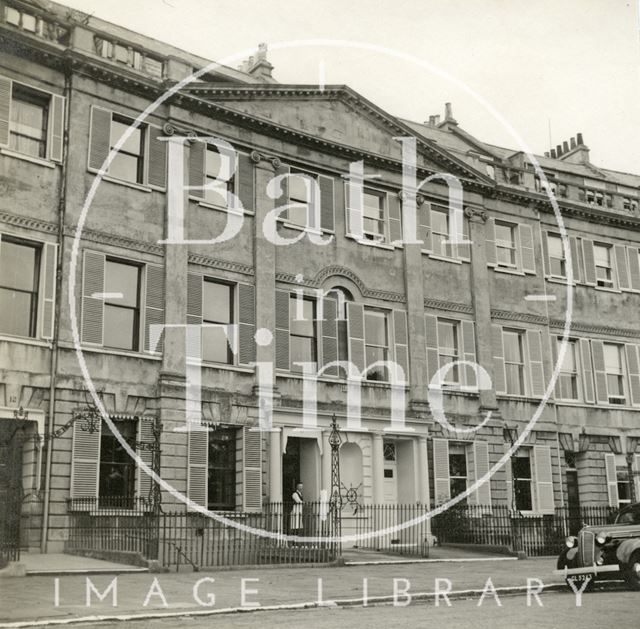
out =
column 612, row 480
column 545, row 253
column 401, row 342
column 197, row 464
column 145, row 436
column 100, row 138
column 431, row 340
column 600, row 376
column 92, row 297
column 441, row 477
column 282, row 330
column 589, row 262
column 536, row 370
column 544, row 479
column 154, row 307
column 424, row 225
column 56, row 128
column 327, row 217
column 48, row 283
column 251, row 470
column 575, row 259
column 622, row 267
column 157, row 162
column 245, row 178
column 329, row 325
column 352, row 215
column 633, row 369
column 482, row 495
column 490, row 242
column 194, row 309
column 499, row 377
column 634, row 268
column 246, row 324
column 464, row 249
column 508, row 475
column 587, row 371
column 197, row 157
column 355, row 328
column 5, row 110
column 395, row 223
column 469, row 353
column 85, row 463
column 527, row 254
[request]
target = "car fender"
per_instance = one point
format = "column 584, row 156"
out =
column 626, row 549
column 569, row 558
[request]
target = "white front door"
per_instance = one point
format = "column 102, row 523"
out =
column 390, row 473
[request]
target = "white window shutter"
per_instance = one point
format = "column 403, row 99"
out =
column 424, row 225
column 145, row 436
column 527, row 253
column 431, row 339
column 622, row 267
column 480, row 468
column 92, row 297
column 612, row 480
column 441, row 478
column 5, row 110
column 469, row 354
column 157, row 161
column 589, row 262
column 401, row 342
column 197, row 466
column 355, row 328
column 587, row 371
column 545, row 253
column 634, row 268
column 246, row 324
column 597, row 351
column 576, row 257
column 154, row 307
column 633, row 369
column 329, row 332
column 499, row 376
column 48, row 284
column 194, row 308
column 282, row 330
column 394, row 219
column 100, row 137
column 536, row 369
column 352, row 216
column 327, row 205
column 251, row 470
column 56, row 128
column 490, row 242
column 544, row 479
column 85, row 462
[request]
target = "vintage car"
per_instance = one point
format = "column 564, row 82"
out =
column 604, row 552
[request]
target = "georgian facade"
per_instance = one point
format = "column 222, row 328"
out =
column 70, row 88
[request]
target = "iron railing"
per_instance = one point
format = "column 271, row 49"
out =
column 500, row 526
column 180, row 539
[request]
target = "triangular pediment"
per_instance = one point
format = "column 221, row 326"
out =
column 337, row 115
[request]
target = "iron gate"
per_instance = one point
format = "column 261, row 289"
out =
column 11, row 440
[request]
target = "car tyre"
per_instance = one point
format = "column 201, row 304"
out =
column 632, row 571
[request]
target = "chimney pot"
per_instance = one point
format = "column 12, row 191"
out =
column 579, row 137
column 553, row 153
column 573, row 143
column 558, row 150
column 436, row 119
column 565, row 147
column 448, row 111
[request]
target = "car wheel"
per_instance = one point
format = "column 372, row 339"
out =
column 632, row 572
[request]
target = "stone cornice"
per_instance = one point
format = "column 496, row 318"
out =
column 224, row 265
column 524, row 317
column 28, row 222
column 450, row 306
column 341, row 271
column 602, row 330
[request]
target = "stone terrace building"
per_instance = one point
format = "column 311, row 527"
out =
column 70, row 85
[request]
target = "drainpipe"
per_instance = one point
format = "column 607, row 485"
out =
column 53, row 367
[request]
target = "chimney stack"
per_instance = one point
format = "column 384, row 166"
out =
column 553, row 153
column 558, row 150
column 573, row 143
column 575, row 151
column 579, row 137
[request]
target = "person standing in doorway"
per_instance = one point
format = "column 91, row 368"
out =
column 296, row 511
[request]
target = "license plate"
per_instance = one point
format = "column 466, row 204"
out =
column 580, row 577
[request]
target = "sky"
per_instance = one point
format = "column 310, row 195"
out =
column 536, row 71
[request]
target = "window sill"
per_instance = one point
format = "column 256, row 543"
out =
column 24, row 340
column 605, row 289
column 28, row 158
column 113, row 352
column 557, row 279
column 223, row 367
column 122, row 182
column 219, row 208
column 508, row 271
column 371, row 243
column 445, row 259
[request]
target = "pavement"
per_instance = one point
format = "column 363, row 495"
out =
column 85, row 598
